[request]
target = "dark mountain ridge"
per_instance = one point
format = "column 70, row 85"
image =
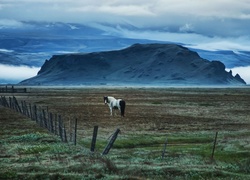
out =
column 151, row 64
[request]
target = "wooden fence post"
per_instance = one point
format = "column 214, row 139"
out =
column 92, row 149
column 51, row 122
column 65, row 135
column 164, row 148
column 31, row 114
column 10, row 101
column 44, row 120
column 215, row 139
column 35, row 113
column 111, row 142
column 18, row 109
column 48, row 118
column 27, row 109
column 56, row 129
column 70, row 131
column 60, row 126
column 75, row 132
column 5, row 102
column 41, row 117
column 23, row 108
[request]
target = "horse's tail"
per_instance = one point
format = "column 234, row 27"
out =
column 122, row 105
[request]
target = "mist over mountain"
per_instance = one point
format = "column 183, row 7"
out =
column 29, row 43
column 139, row 64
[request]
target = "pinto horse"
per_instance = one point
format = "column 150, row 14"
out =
column 115, row 104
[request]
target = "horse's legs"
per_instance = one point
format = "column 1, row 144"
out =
column 115, row 112
column 119, row 109
column 110, row 111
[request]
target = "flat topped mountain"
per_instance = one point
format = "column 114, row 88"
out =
column 139, row 64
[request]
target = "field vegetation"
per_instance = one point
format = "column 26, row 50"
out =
column 184, row 119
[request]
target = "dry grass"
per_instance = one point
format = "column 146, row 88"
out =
column 187, row 117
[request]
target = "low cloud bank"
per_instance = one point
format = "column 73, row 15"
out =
column 17, row 73
column 244, row 72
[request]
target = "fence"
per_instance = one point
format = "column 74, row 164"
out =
column 12, row 89
column 52, row 122
column 42, row 117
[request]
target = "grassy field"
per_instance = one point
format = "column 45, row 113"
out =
column 187, row 118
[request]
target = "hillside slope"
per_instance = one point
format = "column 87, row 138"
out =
column 153, row 64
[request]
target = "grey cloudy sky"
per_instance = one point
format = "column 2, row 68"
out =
column 209, row 24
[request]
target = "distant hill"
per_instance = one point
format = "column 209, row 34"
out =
column 145, row 64
column 31, row 42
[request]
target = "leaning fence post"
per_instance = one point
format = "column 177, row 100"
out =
column 92, row 149
column 215, row 139
column 164, row 148
column 18, row 109
column 111, row 142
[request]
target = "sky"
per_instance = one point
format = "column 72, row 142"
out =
column 209, row 24
column 204, row 24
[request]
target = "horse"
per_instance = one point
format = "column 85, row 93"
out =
column 115, row 104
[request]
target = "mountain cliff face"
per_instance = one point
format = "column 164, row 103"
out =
column 145, row 64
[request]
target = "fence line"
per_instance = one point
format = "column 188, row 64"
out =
column 12, row 89
column 42, row 117
column 54, row 124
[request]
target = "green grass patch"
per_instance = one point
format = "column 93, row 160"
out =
column 33, row 137
column 33, row 149
column 156, row 102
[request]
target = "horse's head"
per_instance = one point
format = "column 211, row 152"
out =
column 106, row 100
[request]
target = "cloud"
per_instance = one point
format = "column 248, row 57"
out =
column 6, row 50
column 190, row 39
column 244, row 72
column 17, row 73
column 186, row 28
column 8, row 23
column 207, row 24
column 213, row 44
column 212, row 17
